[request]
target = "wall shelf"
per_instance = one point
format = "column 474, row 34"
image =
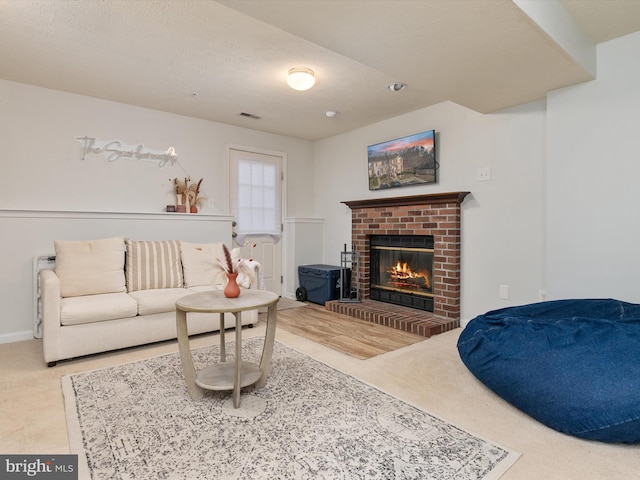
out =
column 428, row 199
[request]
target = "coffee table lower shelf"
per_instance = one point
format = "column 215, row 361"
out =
column 221, row 376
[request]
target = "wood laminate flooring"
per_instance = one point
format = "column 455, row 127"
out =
column 358, row 338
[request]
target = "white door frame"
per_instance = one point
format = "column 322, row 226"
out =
column 283, row 199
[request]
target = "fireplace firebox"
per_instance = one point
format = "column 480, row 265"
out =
column 401, row 270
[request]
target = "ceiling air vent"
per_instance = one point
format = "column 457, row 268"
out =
column 250, row 115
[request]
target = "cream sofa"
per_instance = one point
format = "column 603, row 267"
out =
column 114, row 293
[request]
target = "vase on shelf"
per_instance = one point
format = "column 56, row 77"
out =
column 232, row 290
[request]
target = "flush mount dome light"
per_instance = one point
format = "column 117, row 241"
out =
column 301, row 78
column 331, row 113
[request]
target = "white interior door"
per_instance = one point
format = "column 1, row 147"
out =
column 256, row 205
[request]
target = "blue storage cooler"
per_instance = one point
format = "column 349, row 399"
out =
column 321, row 282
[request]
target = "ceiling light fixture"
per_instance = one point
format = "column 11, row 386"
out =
column 331, row 114
column 301, row 78
column 396, row 86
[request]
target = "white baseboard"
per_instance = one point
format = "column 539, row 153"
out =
column 464, row 322
column 16, row 336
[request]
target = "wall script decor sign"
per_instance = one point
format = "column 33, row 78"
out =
column 115, row 150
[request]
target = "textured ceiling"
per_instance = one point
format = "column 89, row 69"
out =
column 216, row 59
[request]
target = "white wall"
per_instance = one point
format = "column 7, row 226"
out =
column 43, row 171
column 567, row 224
column 561, row 211
column 503, row 229
column 593, row 210
column 43, row 168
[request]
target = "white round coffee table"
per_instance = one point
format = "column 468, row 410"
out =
column 226, row 375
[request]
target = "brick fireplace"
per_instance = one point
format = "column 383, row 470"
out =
column 433, row 214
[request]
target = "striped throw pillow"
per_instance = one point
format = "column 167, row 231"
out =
column 150, row 265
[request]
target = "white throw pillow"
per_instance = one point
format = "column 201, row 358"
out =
column 200, row 264
column 90, row 267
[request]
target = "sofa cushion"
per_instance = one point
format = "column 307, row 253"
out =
column 96, row 308
column 153, row 264
column 90, row 267
column 158, row 300
column 200, row 263
column 201, row 288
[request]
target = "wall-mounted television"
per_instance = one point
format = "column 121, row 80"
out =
column 403, row 162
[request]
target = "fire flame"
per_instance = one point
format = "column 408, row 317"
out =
column 402, row 272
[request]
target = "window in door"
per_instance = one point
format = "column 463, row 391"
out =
column 256, row 205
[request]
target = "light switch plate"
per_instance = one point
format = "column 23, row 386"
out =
column 484, row 174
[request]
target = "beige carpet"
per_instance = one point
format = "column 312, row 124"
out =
column 428, row 374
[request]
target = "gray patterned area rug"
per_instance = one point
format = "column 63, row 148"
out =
column 137, row 421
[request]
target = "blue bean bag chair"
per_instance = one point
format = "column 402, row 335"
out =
column 573, row 365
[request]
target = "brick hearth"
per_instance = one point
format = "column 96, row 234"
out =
column 394, row 316
column 436, row 214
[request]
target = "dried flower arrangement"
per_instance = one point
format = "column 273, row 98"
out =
column 188, row 194
column 193, row 194
column 227, row 265
column 230, row 265
column 252, row 246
